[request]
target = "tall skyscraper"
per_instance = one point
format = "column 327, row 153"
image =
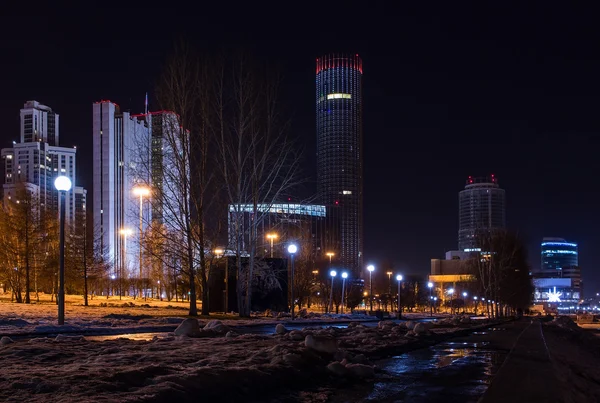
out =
column 37, row 160
column 118, row 144
column 481, row 208
column 39, row 123
column 340, row 154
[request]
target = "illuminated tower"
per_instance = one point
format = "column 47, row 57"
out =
column 481, row 208
column 340, row 154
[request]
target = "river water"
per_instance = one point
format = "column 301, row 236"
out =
column 455, row 371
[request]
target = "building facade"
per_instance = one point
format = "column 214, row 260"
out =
column 482, row 209
column 37, row 160
column 559, row 279
column 120, row 142
column 339, row 152
column 39, row 123
column 303, row 224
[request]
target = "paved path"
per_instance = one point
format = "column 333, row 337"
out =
column 527, row 374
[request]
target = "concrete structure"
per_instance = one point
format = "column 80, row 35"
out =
column 339, row 151
column 481, row 210
column 451, row 272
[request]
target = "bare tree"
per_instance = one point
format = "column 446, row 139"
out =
column 502, row 269
column 177, row 171
column 259, row 162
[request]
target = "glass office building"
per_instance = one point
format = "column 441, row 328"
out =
column 339, row 151
column 482, row 209
column 558, row 254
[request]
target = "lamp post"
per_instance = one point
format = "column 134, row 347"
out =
column 292, row 249
column 371, row 268
column 475, row 298
column 464, row 301
column 435, row 303
column 332, row 273
column 451, row 292
column 271, row 237
column 330, row 255
column 344, row 277
column 218, row 253
column 141, row 191
column 430, row 286
column 63, row 185
column 125, row 232
column 399, row 279
column 389, row 273
column 159, row 291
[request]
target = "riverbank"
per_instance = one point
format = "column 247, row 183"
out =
column 211, row 368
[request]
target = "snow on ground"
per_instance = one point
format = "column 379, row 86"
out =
column 116, row 315
column 179, row 368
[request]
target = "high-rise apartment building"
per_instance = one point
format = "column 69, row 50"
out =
column 481, row 209
column 129, row 151
column 339, row 152
column 37, row 160
column 119, row 143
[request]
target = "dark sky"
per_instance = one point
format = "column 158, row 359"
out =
column 509, row 89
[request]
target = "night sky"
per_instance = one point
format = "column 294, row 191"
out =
column 512, row 90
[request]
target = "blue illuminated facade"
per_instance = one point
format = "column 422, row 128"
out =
column 558, row 254
column 340, row 155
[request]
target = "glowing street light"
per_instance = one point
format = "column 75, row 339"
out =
column 399, row 279
column 330, row 255
column 141, row 191
column 371, row 268
column 63, row 185
column 125, row 232
column 332, row 273
column 430, row 286
column 344, row 277
column 451, row 292
column 292, row 249
column 272, row 237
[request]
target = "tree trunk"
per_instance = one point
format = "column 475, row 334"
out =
column 27, row 300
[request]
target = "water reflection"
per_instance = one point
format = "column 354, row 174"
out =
column 131, row 336
column 449, row 372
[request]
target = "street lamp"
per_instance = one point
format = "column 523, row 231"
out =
column 63, row 185
column 371, row 268
column 464, row 301
column 476, row 302
column 141, row 191
column 330, row 255
column 332, row 273
column 344, row 277
column 389, row 274
column 430, row 286
column 125, row 232
column 399, row 279
column 292, row 249
column 271, row 237
column 451, row 292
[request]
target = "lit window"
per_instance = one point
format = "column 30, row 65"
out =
column 339, row 95
column 347, row 192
